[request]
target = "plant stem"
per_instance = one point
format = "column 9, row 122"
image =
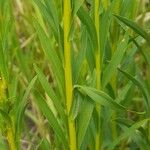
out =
column 10, row 139
column 98, row 71
column 68, row 72
column 98, row 57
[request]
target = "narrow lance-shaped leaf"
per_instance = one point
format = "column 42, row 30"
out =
column 127, row 133
column 51, row 7
column 3, row 46
column 45, row 145
column 124, row 92
column 48, row 89
column 140, row 86
column 54, row 60
column 103, row 99
column 90, row 56
column 145, row 55
column 21, row 108
column 81, row 56
column 104, row 29
column 88, row 22
column 134, row 26
column 47, row 16
column 115, row 61
column 100, row 97
column 76, row 5
column 50, row 14
column 124, row 121
column 84, row 119
column 40, row 101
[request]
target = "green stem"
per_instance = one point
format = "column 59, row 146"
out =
column 10, row 139
column 98, row 71
column 68, row 72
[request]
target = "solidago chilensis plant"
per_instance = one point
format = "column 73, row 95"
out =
column 75, row 74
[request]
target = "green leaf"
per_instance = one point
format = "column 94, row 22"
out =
column 104, row 29
column 140, row 86
column 100, row 97
column 124, row 121
column 115, row 61
column 23, row 64
column 123, row 92
column 21, row 108
column 76, row 5
column 4, row 46
column 103, row 99
column 88, row 22
column 3, row 65
column 45, row 145
column 90, row 56
column 47, row 16
column 127, row 133
column 84, row 119
column 142, row 51
column 51, row 8
column 77, row 100
column 48, row 89
column 53, row 58
column 78, row 61
column 134, row 27
column 40, row 101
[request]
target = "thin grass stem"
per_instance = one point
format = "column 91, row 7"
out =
column 68, row 72
column 98, row 70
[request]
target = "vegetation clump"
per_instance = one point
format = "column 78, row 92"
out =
column 74, row 74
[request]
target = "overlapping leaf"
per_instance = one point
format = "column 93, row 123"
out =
column 140, row 86
column 128, row 133
column 48, row 89
column 22, row 107
column 51, row 119
column 134, row 26
column 52, row 56
column 115, row 61
column 88, row 22
column 84, row 119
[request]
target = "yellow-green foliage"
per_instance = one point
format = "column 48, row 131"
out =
column 86, row 59
column 2, row 89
